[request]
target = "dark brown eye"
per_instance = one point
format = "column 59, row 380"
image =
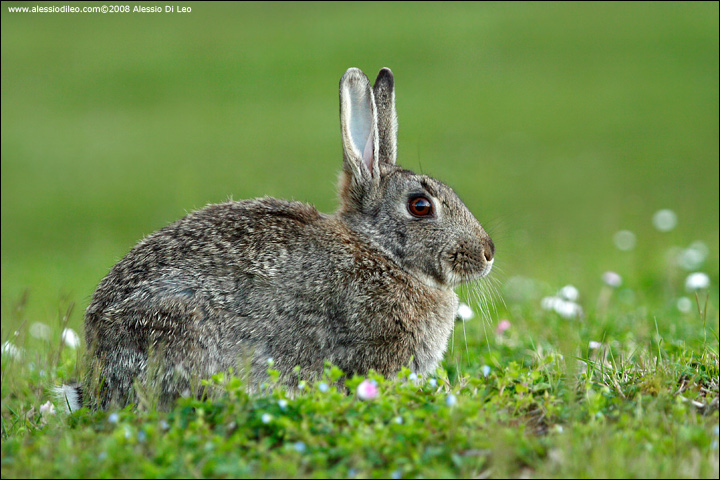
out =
column 420, row 207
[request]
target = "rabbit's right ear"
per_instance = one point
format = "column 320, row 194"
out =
column 384, row 91
column 358, row 122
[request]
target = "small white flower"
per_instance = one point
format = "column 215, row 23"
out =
column 47, row 408
column 299, row 447
column 283, row 404
column 485, row 370
column 127, row 431
column 396, row 475
column 564, row 308
column 432, row 382
column 266, row 418
column 697, row 281
column 399, row 420
column 701, row 248
column 40, row 330
column 612, row 279
column 684, row 304
column 548, row 303
column 366, row 390
column 413, row 376
column 465, row 312
column 451, row 400
column 664, row 220
column 569, row 292
column 9, row 349
column 692, row 257
column 323, row 387
column 569, row 310
column 70, row 338
column 270, row 361
column 593, row 345
column 113, row 418
column 624, row 240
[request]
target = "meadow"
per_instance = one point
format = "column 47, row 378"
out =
column 584, row 136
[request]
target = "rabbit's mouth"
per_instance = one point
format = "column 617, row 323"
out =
column 465, row 266
column 458, row 277
column 488, row 267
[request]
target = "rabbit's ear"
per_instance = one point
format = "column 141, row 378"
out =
column 358, row 121
column 384, row 91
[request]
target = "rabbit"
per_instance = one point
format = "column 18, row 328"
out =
column 239, row 284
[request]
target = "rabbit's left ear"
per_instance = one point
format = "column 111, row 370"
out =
column 358, row 121
column 384, row 91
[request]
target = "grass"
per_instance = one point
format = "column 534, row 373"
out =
column 558, row 124
column 640, row 409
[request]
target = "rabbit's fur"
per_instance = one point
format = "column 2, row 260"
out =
column 235, row 284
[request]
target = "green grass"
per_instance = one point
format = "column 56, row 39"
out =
column 558, row 124
column 645, row 409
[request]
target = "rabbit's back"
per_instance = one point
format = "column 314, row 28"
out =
column 237, row 283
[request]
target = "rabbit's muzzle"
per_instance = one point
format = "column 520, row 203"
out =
column 470, row 259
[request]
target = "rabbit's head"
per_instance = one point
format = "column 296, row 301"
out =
column 417, row 220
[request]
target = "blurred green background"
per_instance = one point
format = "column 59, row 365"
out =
column 558, row 124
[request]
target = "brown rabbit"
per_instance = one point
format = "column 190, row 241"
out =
column 237, row 283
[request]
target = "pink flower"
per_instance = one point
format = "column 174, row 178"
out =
column 502, row 326
column 367, row 390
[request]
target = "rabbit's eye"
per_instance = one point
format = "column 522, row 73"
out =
column 420, row 207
